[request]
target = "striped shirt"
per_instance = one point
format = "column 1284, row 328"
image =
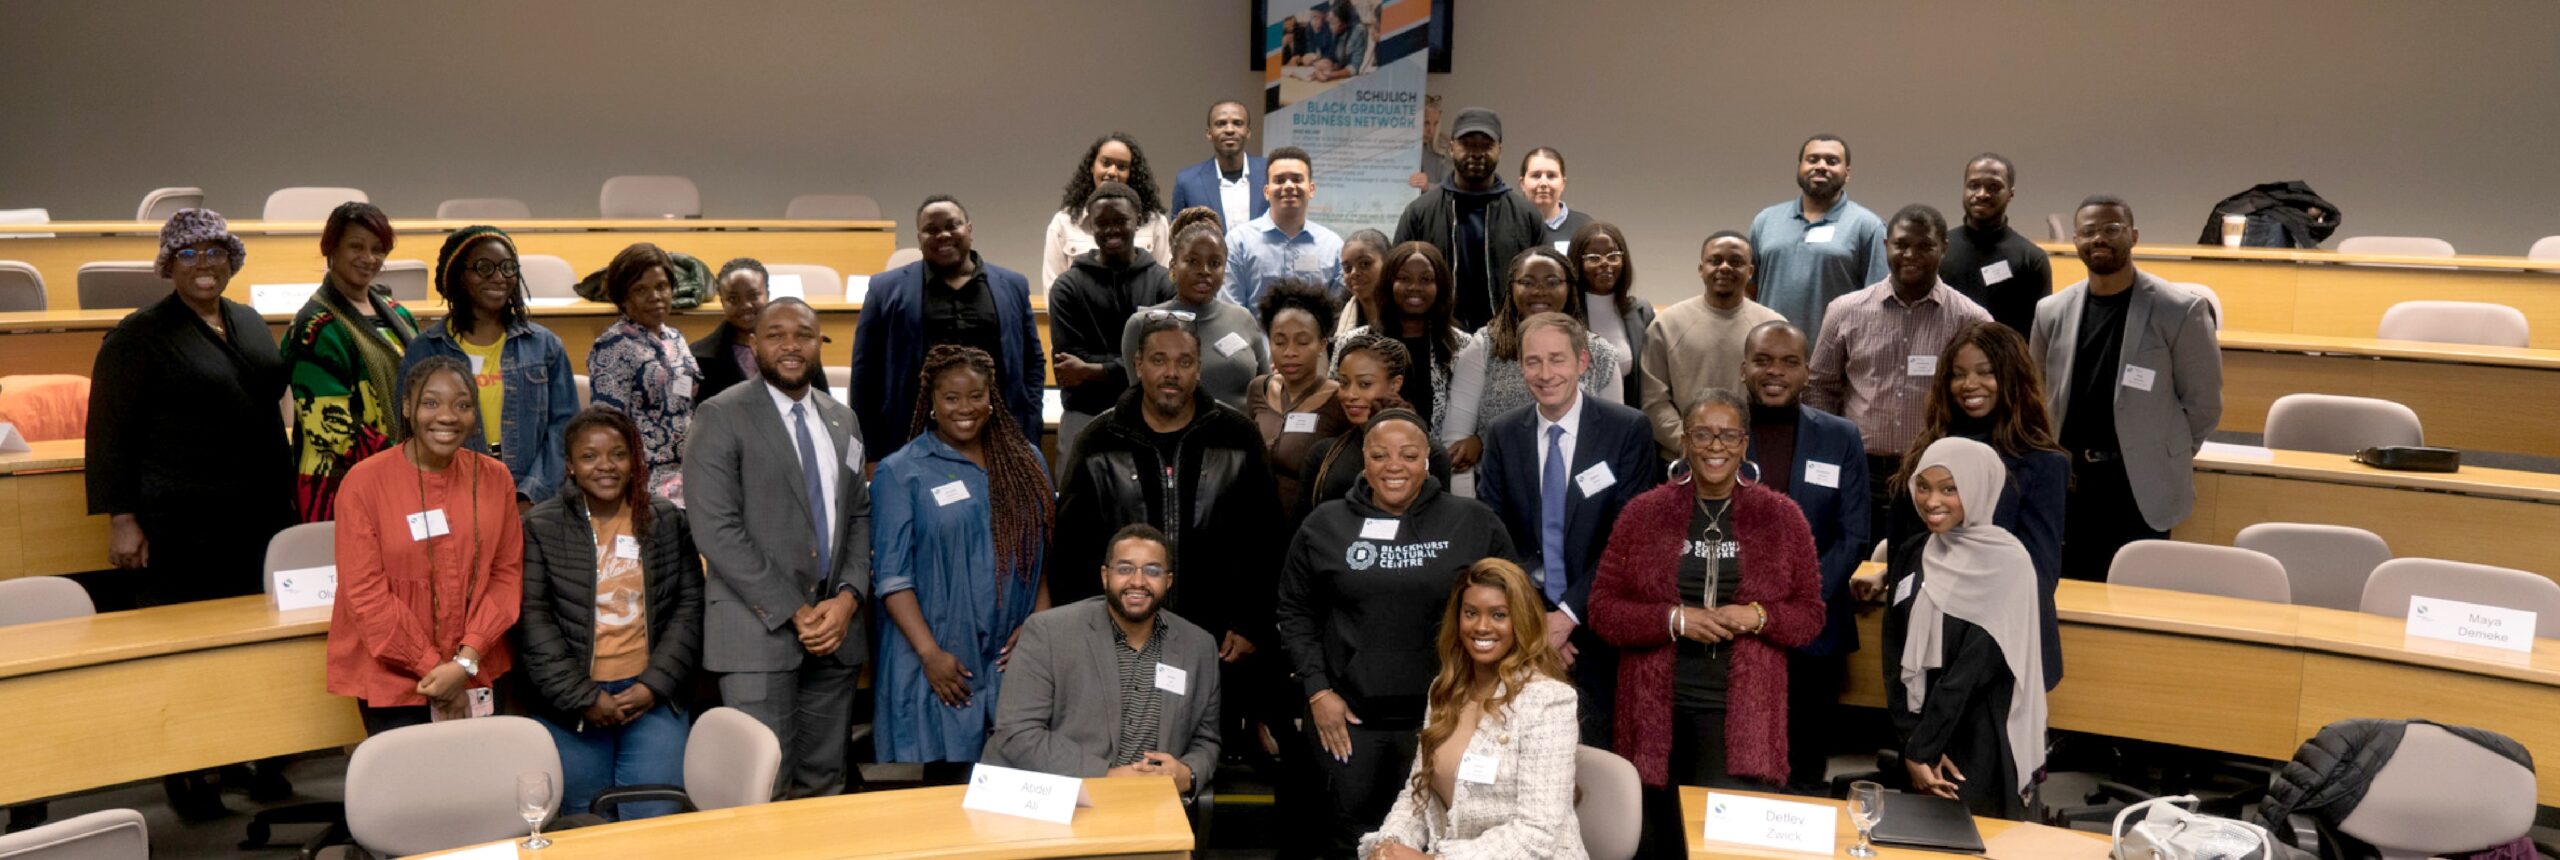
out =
column 1876, row 358
column 1141, row 704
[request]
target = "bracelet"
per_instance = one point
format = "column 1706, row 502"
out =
column 1764, row 619
column 1671, row 622
column 1328, row 691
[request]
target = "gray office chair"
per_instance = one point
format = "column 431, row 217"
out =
column 308, row 202
column 445, row 785
column 2481, row 323
column 2442, row 794
column 833, row 207
column 901, row 257
column 2388, row 591
column 161, row 203
column 650, row 197
column 2545, row 248
column 730, row 760
column 299, row 546
column 2201, row 569
column 548, row 277
column 21, row 287
column 483, row 209
column 32, row 599
column 585, row 392
column 2326, row 565
column 2337, row 424
column 2211, row 299
column 2399, row 246
column 817, row 283
column 407, row 279
column 110, row 834
column 120, row 285
column 1611, row 806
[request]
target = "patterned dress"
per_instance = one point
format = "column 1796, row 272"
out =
column 652, row 377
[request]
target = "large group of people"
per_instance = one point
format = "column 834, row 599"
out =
column 1252, row 546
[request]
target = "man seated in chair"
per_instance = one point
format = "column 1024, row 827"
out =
column 1112, row 685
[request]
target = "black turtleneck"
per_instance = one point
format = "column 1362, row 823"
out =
column 1773, row 443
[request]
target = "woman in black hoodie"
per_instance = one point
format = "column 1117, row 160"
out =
column 1089, row 306
column 1361, row 597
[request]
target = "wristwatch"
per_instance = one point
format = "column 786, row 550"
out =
column 470, row 667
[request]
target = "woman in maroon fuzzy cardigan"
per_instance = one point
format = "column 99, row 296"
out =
column 1707, row 581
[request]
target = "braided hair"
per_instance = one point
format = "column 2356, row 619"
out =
column 459, row 312
column 1020, row 501
column 635, row 488
column 1141, row 179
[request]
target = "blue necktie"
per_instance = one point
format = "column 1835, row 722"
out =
column 811, row 483
column 1551, row 513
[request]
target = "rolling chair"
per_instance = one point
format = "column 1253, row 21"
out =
column 21, row 287
column 2326, row 565
column 1610, row 803
column 650, row 197
column 300, row 546
column 161, row 203
column 30, row 600
column 2479, row 323
column 308, row 203
column 2394, row 582
column 110, row 834
column 483, row 209
column 2337, row 424
column 730, row 760
column 444, row 785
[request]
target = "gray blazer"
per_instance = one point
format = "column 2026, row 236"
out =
column 2170, row 332
column 751, row 522
column 1060, row 708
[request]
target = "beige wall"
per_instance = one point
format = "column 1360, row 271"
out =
column 1679, row 118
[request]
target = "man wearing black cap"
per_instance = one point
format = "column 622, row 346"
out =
column 1478, row 222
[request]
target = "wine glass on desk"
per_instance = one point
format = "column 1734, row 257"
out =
column 533, row 801
column 1866, row 807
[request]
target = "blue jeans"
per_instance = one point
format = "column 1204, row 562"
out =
column 646, row 751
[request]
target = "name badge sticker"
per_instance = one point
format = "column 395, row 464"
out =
column 1595, row 479
column 428, row 524
column 1300, row 422
column 1228, row 345
column 1822, row 474
column 626, row 546
column 2138, row 378
column 1996, row 272
column 1172, row 679
column 945, row 495
column 1920, row 365
column 1479, row 768
column 1378, row 529
column 1819, row 235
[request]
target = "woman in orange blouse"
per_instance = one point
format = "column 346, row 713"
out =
column 430, row 564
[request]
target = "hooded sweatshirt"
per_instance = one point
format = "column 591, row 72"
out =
column 1089, row 306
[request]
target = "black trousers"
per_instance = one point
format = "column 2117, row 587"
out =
column 1595, row 676
column 1814, row 725
column 2099, row 518
column 1365, row 787
column 1256, row 694
column 1697, row 758
column 1881, row 493
column 379, row 720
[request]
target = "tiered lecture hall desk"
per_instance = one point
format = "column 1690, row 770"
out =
column 1693, row 818
column 2475, row 398
column 2315, row 292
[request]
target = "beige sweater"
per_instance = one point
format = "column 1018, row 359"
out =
column 1690, row 348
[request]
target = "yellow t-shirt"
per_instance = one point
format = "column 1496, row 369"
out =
column 488, row 373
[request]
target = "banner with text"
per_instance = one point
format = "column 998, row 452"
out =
column 1343, row 80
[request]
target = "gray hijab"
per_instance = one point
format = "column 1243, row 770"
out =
column 1979, row 572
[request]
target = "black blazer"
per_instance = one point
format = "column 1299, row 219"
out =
column 719, row 371
column 555, row 633
column 1507, row 482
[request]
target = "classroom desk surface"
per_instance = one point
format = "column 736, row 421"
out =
column 47, row 456
column 2403, row 350
column 2342, row 469
column 1130, row 818
column 1693, row 818
column 45, row 526
column 125, row 696
column 2257, row 678
column 2486, row 516
column 2474, row 398
column 2321, row 292
column 2317, row 256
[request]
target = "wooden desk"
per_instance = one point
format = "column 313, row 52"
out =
column 2487, row 516
column 289, row 252
column 2257, row 678
column 123, row 696
column 1693, row 818
column 2329, row 293
column 1130, row 818
column 2477, row 398
column 45, row 526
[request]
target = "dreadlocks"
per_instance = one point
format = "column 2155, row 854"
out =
column 1019, row 506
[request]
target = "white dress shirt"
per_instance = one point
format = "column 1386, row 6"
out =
column 1572, row 424
column 1235, row 198
column 819, row 439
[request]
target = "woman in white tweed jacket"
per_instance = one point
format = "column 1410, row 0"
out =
column 1493, row 771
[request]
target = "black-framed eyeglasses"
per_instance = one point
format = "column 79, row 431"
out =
column 486, row 267
column 1152, row 571
column 205, row 256
column 2112, row 231
column 1708, row 438
column 1153, row 314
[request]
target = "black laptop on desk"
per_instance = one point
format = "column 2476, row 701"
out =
column 1927, row 821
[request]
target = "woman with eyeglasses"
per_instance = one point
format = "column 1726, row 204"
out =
column 519, row 370
column 1708, row 581
column 343, row 350
column 1485, row 381
column 641, row 365
column 1605, row 272
column 1232, row 351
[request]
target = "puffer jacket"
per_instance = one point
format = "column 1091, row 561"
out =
column 2330, row 773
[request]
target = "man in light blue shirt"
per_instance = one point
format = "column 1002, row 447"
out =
column 1819, row 246
column 1283, row 243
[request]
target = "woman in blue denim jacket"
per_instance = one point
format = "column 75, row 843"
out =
column 529, row 395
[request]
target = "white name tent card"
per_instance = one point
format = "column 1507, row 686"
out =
column 1023, row 793
column 280, row 298
column 786, row 285
column 551, row 301
column 1806, row 827
column 855, row 287
column 11, row 442
column 303, row 588
column 2456, row 621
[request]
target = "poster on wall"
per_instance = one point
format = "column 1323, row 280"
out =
column 1343, row 80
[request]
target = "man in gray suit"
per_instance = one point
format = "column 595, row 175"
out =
column 774, row 490
column 2133, row 371
column 1112, row 685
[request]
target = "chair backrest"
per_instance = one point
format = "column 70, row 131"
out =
column 901, row 257
column 2398, row 246
column 2440, row 793
column 26, row 216
column 30, row 599
column 407, row 279
column 441, row 785
column 309, row 203
column 303, row 545
column 2338, row 424
column 21, row 287
column 483, row 209
column 817, row 283
column 2211, row 299
column 2387, row 592
column 2201, row 569
column 161, row 203
column 2326, row 565
column 2056, row 227
column 842, row 207
column 1611, row 808
column 840, row 379
column 583, row 392
column 2481, row 323
column 108, row 834
column 731, row 759
column 2545, row 248
column 548, row 277
column 650, row 197
column 121, row 284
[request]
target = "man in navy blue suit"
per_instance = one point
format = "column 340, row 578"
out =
column 1231, row 180
column 950, row 296
column 1817, row 459
column 1557, row 473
